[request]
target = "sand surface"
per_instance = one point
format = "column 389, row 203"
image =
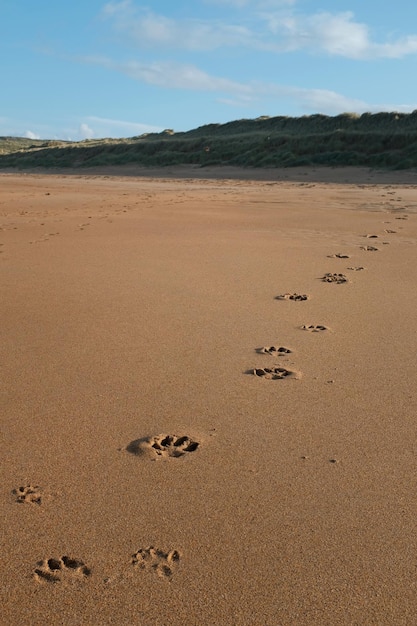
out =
column 148, row 476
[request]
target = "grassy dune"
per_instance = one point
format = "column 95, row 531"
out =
column 382, row 140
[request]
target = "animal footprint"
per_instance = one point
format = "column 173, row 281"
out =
column 339, row 255
column 357, row 269
column 273, row 351
column 371, row 236
column 293, row 296
column 334, row 278
column 369, row 248
column 163, row 563
column 314, row 328
column 274, row 373
column 29, row 494
column 164, row 446
column 390, row 231
column 64, row 569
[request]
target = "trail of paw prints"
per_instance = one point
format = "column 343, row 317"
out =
column 44, row 238
column 293, row 296
column 28, row 494
column 155, row 560
column 338, row 279
column 274, row 351
column 314, row 328
column 62, row 570
column 275, row 373
column 384, row 243
column 163, row 446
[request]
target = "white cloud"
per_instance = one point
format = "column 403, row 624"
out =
column 30, row 135
column 279, row 29
column 148, row 29
column 85, row 132
column 335, row 34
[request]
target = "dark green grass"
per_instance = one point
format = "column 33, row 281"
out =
column 382, row 140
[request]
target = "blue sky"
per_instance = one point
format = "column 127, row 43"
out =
column 90, row 68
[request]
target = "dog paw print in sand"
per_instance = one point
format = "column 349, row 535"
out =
column 163, row 446
column 274, row 373
column 369, row 248
column 274, row 351
column 339, row 255
column 314, row 328
column 28, row 494
column 371, row 236
column 298, row 297
column 62, row 570
column 357, row 269
column 153, row 559
column 389, row 231
column 339, row 279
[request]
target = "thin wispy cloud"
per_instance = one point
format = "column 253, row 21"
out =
column 132, row 127
column 170, row 75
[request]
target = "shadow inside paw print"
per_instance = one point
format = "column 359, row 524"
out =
column 28, row 494
column 274, row 351
column 164, row 446
column 64, row 569
column 338, row 255
column 293, row 296
column 154, row 559
column 274, row 373
column 334, row 278
column 314, row 328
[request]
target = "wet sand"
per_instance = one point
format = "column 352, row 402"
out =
column 208, row 397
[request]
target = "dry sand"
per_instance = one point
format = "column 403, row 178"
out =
column 148, row 476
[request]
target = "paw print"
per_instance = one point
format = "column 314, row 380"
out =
column 154, row 559
column 64, row 569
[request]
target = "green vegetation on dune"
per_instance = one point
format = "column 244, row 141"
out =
column 383, row 140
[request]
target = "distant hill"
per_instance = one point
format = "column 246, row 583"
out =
column 380, row 140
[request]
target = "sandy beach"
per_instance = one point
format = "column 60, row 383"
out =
column 208, row 398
